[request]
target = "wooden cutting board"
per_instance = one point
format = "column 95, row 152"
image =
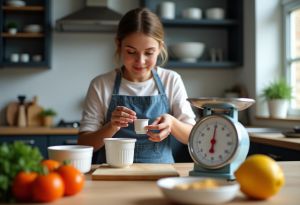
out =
column 33, row 113
column 12, row 113
column 134, row 172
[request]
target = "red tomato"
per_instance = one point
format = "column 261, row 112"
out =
column 47, row 188
column 51, row 164
column 73, row 179
column 22, row 185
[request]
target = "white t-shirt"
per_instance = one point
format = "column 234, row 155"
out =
column 100, row 91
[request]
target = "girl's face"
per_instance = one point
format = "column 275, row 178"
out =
column 139, row 54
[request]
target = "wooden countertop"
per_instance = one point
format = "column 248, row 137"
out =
column 38, row 131
column 147, row 192
column 276, row 139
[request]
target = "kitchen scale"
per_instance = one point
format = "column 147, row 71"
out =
column 218, row 143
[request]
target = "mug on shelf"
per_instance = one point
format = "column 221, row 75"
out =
column 167, row 10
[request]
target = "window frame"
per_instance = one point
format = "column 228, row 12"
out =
column 288, row 7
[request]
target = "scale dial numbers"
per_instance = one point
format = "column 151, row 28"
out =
column 213, row 142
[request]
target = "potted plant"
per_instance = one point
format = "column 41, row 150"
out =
column 278, row 95
column 47, row 116
column 12, row 27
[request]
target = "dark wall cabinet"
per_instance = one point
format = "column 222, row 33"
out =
column 42, row 141
column 30, row 45
column 225, row 35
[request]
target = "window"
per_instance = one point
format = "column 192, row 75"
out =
column 292, row 51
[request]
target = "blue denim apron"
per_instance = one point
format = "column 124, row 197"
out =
column 149, row 107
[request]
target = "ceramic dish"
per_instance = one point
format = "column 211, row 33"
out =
column 33, row 28
column 79, row 156
column 15, row 3
column 224, row 192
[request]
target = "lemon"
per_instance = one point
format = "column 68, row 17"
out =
column 260, row 177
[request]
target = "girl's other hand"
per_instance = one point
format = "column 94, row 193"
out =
column 121, row 116
column 162, row 127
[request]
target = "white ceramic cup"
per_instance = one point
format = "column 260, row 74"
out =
column 119, row 151
column 167, row 10
column 139, row 126
column 14, row 57
column 192, row 13
column 24, row 58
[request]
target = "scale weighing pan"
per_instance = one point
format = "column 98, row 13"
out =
column 239, row 103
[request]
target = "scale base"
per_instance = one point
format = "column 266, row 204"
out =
column 227, row 172
column 212, row 175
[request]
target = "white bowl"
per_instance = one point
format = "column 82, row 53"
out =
column 187, row 51
column 33, row 28
column 215, row 13
column 119, row 151
column 80, row 156
column 15, row 3
column 225, row 191
column 192, row 13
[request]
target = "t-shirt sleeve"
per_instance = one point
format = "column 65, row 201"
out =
column 93, row 115
column 181, row 108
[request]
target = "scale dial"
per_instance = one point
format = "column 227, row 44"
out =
column 214, row 142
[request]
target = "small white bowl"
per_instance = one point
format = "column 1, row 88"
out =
column 225, row 191
column 192, row 13
column 16, row 3
column 187, row 51
column 33, row 28
column 79, row 156
column 215, row 13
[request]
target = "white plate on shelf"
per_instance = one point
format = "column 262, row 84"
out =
column 32, row 28
column 16, row 3
column 225, row 191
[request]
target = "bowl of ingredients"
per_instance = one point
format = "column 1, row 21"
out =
column 79, row 156
column 198, row 190
column 187, row 51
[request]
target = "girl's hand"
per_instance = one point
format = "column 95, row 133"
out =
column 121, row 116
column 163, row 124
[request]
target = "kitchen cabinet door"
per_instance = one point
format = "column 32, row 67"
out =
column 62, row 140
column 35, row 141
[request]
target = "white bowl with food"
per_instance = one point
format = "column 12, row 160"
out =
column 187, row 51
column 198, row 190
column 79, row 156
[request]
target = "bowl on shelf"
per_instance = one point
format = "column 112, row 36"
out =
column 198, row 190
column 16, row 3
column 215, row 13
column 187, row 51
column 33, row 28
column 79, row 156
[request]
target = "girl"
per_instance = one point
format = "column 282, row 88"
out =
column 138, row 89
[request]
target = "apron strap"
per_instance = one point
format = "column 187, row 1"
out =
column 158, row 82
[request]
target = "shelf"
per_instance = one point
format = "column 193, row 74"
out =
column 25, row 65
column 23, row 35
column 202, row 64
column 202, row 22
column 23, row 8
